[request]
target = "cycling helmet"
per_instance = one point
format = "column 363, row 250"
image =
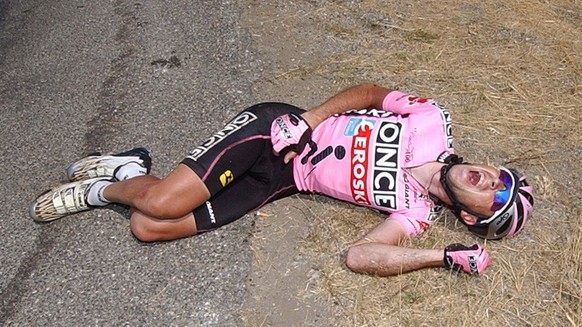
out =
column 509, row 217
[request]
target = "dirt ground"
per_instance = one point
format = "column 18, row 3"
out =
column 510, row 73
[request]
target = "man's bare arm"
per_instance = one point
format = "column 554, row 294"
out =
column 357, row 97
column 389, row 260
column 379, row 253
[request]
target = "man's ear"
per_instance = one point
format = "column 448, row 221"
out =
column 468, row 218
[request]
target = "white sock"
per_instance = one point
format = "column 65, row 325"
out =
column 130, row 170
column 95, row 194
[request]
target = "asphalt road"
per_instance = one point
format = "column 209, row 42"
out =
column 80, row 76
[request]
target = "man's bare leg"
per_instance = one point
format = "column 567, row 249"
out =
column 148, row 229
column 173, row 197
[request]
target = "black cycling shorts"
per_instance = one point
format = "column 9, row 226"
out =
column 239, row 169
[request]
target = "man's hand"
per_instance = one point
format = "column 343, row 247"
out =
column 471, row 260
column 290, row 132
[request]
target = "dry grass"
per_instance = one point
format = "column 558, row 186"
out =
column 533, row 283
column 510, row 72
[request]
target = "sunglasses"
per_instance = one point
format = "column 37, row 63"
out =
column 502, row 196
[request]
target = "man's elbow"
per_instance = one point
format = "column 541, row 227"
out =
column 356, row 260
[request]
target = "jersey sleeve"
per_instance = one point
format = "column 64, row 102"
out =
column 412, row 226
column 402, row 103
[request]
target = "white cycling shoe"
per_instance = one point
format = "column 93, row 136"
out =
column 97, row 165
column 63, row 200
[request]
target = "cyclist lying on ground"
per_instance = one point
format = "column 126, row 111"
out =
column 367, row 145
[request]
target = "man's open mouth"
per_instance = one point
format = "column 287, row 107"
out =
column 474, row 177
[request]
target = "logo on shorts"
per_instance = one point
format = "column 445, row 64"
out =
column 234, row 125
column 210, row 212
column 226, row 178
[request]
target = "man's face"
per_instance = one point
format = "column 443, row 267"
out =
column 475, row 186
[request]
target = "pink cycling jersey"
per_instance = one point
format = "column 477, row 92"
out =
column 361, row 157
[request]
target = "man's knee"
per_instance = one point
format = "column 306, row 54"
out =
column 147, row 229
column 162, row 204
column 141, row 229
column 175, row 196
